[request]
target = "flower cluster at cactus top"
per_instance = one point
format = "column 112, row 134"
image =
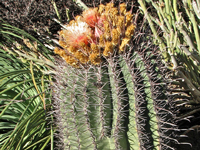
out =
column 97, row 32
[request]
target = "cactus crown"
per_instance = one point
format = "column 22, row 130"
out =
column 95, row 34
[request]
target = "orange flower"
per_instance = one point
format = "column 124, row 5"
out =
column 76, row 34
column 99, row 26
column 90, row 17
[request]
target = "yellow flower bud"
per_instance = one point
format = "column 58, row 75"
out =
column 115, row 37
column 101, row 40
column 72, row 49
column 101, row 8
column 125, row 41
column 81, row 57
column 119, row 29
column 122, row 8
column 106, row 26
column 108, row 7
column 95, row 58
column 130, row 30
column 120, row 21
column 59, row 51
column 107, row 36
column 85, row 48
column 94, row 48
column 112, row 14
column 71, row 60
column 63, row 44
column 129, row 18
column 108, row 49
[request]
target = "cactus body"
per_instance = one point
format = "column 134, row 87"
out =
column 118, row 101
column 121, row 104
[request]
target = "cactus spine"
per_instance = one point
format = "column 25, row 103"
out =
column 119, row 102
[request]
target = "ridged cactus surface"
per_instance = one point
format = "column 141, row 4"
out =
column 119, row 103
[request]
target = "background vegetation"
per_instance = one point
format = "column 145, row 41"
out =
column 27, row 33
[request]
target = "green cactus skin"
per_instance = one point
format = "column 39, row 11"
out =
column 121, row 104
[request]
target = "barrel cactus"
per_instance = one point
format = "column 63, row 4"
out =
column 111, row 86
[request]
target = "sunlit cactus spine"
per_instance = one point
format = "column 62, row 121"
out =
column 117, row 100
